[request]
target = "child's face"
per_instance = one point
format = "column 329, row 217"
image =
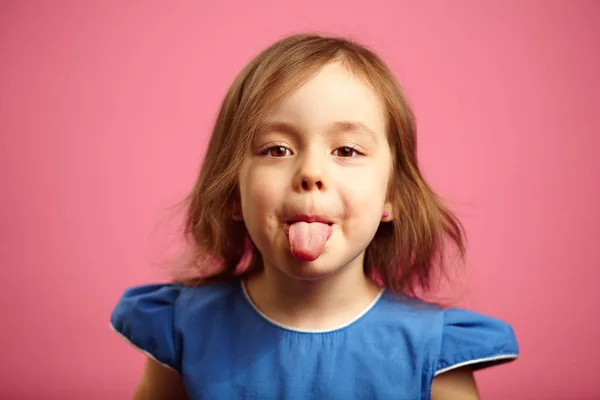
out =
column 322, row 152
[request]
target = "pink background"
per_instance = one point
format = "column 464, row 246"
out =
column 105, row 108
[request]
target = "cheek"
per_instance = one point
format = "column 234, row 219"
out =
column 364, row 195
column 259, row 191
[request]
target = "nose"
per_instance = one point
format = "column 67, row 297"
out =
column 311, row 174
column 309, row 184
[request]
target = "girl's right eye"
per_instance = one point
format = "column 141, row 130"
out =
column 277, row 151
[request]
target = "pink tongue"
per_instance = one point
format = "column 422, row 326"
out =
column 307, row 240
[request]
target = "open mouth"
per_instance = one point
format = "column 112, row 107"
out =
column 310, row 219
column 293, row 222
column 288, row 224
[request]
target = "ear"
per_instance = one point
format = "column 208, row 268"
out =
column 387, row 214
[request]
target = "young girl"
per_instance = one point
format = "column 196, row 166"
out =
column 311, row 204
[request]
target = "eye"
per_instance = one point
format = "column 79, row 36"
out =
column 346, row 152
column 277, row 151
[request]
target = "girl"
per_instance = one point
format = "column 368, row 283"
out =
column 311, row 204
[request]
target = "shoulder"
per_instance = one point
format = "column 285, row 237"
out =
column 473, row 339
column 164, row 301
column 153, row 317
column 463, row 336
column 469, row 341
column 446, row 339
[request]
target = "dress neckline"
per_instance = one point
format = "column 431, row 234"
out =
column 277, row 324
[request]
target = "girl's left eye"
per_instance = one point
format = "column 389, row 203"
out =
column 346, row 152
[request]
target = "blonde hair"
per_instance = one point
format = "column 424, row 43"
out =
column 403, row 253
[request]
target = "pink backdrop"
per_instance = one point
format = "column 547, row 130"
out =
column 104, row 114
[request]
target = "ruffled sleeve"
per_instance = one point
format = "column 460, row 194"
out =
column 145, row 317
column 474, row 340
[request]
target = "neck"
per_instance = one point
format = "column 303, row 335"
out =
column 313, row 304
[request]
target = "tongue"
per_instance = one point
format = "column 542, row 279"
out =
column 307, row 240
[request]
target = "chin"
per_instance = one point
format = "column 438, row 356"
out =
column 308, row 275
column 309, row 270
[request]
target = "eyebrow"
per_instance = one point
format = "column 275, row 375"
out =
column 335, row 127
column 353, row 126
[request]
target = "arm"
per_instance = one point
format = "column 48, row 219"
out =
column 160, row 382
column 458, row 384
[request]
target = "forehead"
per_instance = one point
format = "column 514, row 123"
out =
column 334, row 94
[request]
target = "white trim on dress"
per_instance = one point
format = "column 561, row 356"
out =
column 477, row 361
column 289, row 328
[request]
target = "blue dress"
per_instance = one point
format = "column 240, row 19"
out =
column 224, row 348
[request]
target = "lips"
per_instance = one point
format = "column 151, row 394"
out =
column 309, row 219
